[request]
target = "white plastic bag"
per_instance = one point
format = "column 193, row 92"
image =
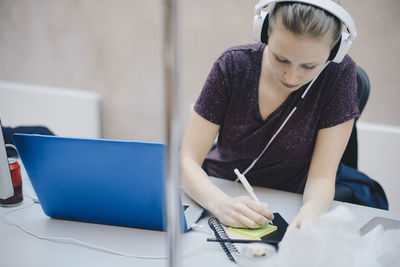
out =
column 384, row 245
column 334, row 240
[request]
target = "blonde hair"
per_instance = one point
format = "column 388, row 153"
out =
column 306, row 20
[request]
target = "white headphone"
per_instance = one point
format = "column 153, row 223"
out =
column 341, row 47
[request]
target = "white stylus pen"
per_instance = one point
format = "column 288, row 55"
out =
column 247, row 186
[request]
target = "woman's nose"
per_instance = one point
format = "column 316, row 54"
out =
column 290, row 76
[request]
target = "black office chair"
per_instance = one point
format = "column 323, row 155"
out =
column 350, row 155
column 8, row 132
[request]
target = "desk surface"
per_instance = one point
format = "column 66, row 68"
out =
column 18, row 248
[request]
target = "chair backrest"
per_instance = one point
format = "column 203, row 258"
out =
column 350, row 155
column 363, row 88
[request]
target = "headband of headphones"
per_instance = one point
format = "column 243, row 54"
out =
column 341, row 47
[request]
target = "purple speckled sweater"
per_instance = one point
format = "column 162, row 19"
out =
column 230, row 99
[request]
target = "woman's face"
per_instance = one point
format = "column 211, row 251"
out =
column 294, row 60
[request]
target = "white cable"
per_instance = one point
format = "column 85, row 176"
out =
column 16, row 209
column 73, row 241
column 34, row 199
column 196, row 226
column 12, row 146
column 284, row 122
column 27, row 194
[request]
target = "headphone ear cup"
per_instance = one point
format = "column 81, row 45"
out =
column 264, row 30
column 260, row 27
column 340, row 49
column 335, row 49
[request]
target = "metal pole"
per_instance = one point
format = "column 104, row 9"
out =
column 172, row 126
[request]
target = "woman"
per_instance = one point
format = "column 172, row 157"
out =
column 248, row 94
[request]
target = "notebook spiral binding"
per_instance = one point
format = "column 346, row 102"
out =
column 219, row 232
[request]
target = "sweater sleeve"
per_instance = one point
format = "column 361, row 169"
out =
column 213, row 100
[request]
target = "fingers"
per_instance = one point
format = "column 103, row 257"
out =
column 247, row 222
column 260, row 208
column 234, row 215
column 251, row 214
column 243, row 212
column 253, row 219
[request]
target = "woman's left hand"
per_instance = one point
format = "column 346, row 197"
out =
column 304, row 218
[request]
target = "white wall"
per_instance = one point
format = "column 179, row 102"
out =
column 65, row 112
column 379, row 147
column 114, row 48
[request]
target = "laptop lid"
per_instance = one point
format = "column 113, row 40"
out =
column 97, row 180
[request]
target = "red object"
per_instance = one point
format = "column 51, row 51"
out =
column 15, row 171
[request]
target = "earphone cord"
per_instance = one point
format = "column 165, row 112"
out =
column 298, row 104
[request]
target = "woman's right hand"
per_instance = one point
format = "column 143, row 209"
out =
column 242, row 212
column 237, row 212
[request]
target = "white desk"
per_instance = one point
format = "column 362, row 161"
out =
column 20, row 249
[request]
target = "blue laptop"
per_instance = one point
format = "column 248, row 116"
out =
column 98, row 180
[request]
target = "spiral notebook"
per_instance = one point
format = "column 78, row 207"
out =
column 232, row 250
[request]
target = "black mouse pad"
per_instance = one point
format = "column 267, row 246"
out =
column 280, row 232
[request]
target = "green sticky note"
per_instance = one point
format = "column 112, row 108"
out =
column 254, row 233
